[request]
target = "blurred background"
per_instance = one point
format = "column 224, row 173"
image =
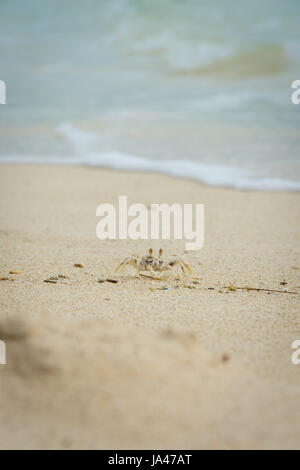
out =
column 196, row 88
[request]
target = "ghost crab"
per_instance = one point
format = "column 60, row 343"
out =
column 152, row 263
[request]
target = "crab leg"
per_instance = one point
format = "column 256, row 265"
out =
column 182, row 267
column 123, row 264
column 185, row 265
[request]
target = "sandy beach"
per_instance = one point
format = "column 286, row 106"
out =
column 130, row 365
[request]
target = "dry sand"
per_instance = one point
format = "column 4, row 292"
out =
column 127, row 365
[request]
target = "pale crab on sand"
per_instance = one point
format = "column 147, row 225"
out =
column 153, row 263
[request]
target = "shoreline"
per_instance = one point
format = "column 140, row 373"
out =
column 227, row 177
column 104, row 340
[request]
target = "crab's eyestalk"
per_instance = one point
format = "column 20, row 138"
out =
column 160, row 252
column 150, row 251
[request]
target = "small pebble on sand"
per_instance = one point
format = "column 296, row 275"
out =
column 225, row 358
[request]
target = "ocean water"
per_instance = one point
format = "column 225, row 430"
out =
column 194, row 88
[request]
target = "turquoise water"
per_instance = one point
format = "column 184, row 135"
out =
column 193, row 88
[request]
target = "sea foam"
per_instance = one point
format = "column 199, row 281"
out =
column 210, row 174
